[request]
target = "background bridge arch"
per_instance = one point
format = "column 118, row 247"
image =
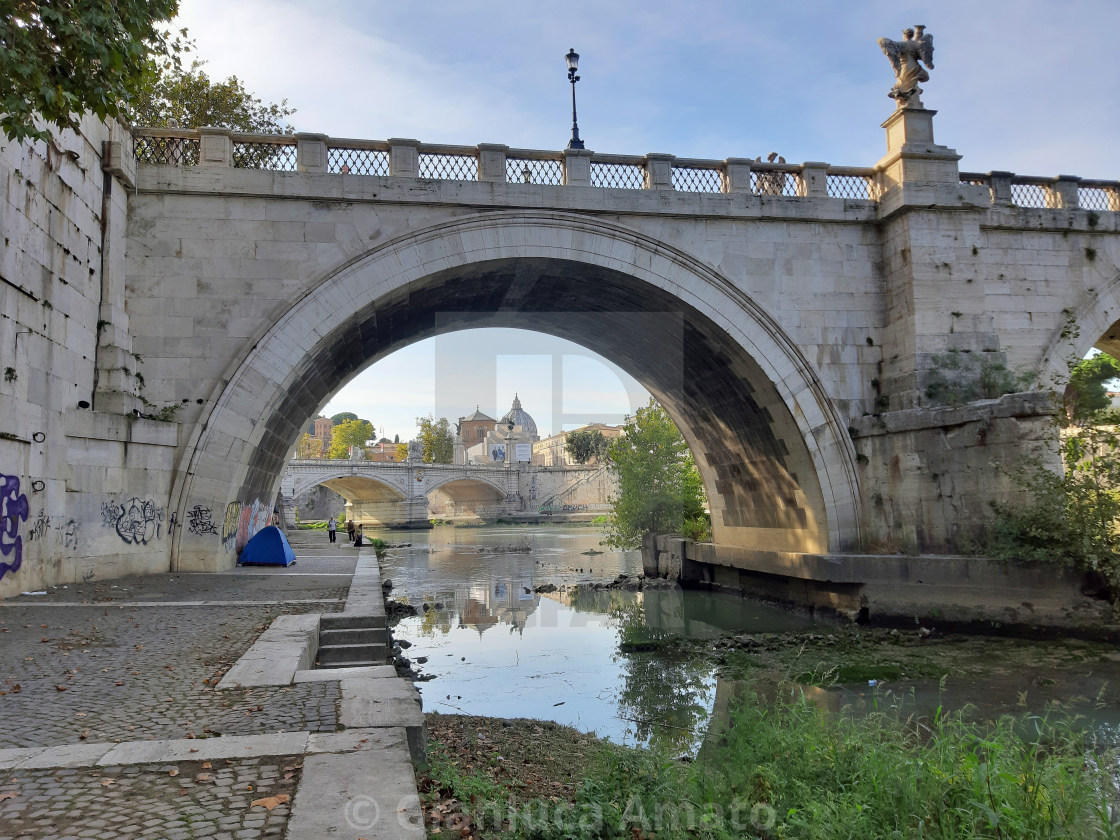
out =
column 776, row 459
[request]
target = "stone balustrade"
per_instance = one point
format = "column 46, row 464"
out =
column 491, row 162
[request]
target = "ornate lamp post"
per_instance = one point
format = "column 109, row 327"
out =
column 573, row 64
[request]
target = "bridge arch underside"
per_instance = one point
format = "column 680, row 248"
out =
column 369, row 501
column 463, row 497
column 776, row 464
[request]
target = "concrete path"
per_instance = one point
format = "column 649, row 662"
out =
column 185, row 706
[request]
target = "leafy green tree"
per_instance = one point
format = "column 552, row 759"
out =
column 308, row 446
column 584, row 446
column 192, row 99
column 349, row 433
column 1085, row 395
column 343, row 415
column 437, row 438
column 402, row 452
column 62, row 58
column 660, row 489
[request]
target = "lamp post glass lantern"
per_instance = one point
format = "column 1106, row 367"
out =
column 572, row 58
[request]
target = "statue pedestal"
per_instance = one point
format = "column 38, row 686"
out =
column 916, row 170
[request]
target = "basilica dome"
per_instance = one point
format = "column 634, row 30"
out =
column 520, row 417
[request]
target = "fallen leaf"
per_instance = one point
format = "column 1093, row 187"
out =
column 193, row 749
column 60, row 688
column 202, row 777
column 79, row 714
column 107, row 782
column 84, row 735
column 206, row 765
column 272, row 801
column 172, row 772
column 120, row 682
column 11, row 794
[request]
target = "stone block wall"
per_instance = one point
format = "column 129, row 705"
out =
column 84, row 482
column 928, row 475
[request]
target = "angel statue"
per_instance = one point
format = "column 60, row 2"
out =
column 906, row 57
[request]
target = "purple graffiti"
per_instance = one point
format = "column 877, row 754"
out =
column 13, row 511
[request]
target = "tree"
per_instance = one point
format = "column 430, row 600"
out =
column 62, row 58
column 438, row 441
column 349, row 433
column 396, row 438
column 402, row 451
column 343, row 415
column 1085, row 395
column 308, row 446
column 192, row 99
column 584, row 446
column 660, row 490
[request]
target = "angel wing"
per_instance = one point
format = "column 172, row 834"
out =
column 892, row 50
column 925, row 49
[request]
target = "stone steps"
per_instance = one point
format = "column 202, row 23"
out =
column 342, row 656
column 349, row 640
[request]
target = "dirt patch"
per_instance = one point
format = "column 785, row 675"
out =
column 511, row 761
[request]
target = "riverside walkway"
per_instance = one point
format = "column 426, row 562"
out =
column 187, row 705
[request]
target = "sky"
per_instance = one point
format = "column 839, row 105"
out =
column 1019, row 85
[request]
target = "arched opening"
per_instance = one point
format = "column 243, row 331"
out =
column 464, row 498
column 777, row 464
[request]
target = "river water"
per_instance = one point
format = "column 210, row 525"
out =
column 489, row 644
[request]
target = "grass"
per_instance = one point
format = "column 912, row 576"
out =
column 789, row 769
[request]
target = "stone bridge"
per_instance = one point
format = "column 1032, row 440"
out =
column 797, row 322
column 396, row 494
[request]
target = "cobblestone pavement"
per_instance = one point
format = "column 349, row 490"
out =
column 136, row 673
column 174, row 801
column 242, row 584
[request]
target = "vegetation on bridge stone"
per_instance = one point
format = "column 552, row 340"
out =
column 63, row 58
column 349, row 433
column 659, row 486
column 437, row 439
column 1071, row 517
column 584, row 446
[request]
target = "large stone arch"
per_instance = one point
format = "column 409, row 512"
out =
column 1095, row 323
column 775, row 455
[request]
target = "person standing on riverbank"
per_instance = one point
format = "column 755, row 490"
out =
column 332, row 527
column 358, row 538
column 350, row 530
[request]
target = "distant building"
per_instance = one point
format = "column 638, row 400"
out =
column 322, row 433
column 483, row 440
column 553, row 451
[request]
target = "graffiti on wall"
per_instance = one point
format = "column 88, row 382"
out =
column 13, row 511
column 200, row 521
column 229, row 526
column 253, row 518
column 136, row 521
column 65, row 532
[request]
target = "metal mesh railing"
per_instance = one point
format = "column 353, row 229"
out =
column 448, row 167
column 253, row 155
column 850, row 186
column 166, row 151
column 346, row 160
column 1030, row 195
column 775, row 183
column 627, row 176
column 697, row 179
column 524, row 170
column 1098, row 199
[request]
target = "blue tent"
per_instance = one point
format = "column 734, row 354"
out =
column 268, row 548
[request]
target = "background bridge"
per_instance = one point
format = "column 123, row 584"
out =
column 400, row 495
